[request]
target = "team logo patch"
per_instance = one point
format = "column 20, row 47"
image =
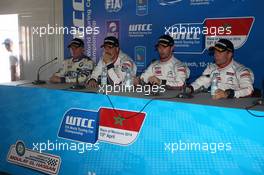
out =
column 245, row 74
column 157, row 70
column 230, row 73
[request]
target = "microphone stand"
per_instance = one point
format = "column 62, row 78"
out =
column 38, row 81
column 260, row 101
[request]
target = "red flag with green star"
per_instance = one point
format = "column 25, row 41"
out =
column 119, row 126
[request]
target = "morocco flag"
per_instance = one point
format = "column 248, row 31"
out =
column 119, row 126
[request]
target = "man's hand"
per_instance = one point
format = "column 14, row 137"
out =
column 55, row 79
column 92, row 83
column 107, row 58
column 220, row 94
column 154, row 80
column 136, row 81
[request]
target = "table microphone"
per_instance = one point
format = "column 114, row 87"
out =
column 261, row 100
column 38, row 81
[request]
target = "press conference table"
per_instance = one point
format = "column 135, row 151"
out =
column 157, row 141
column 168, row 95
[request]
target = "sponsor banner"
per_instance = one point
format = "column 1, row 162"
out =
column 141, row 7
column 79, row 125
column 140, row 58
column 119, row 126
column 235, row 29
column 20, row 155
column 194, row 38
column 187, row 37
column 113, row 28
column 139, row 30
column 213, row 20
column 113, row 5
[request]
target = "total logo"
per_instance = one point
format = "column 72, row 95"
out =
column 139, row 30
column 113, row 28
column 113, row 5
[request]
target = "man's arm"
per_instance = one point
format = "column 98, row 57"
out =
column 59, row 77
column 246, row 79
column 204, row 79
column 147, row 74
column 182, row 72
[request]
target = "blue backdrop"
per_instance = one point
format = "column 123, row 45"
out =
column 139, row 23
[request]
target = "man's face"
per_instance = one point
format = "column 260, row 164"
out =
column 8, row 47
column 165, row 52
column 76, row 52
column 111, row 51
column 222, row 58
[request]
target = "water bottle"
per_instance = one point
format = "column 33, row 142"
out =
column 104, row 77
column 214, row 84
column 128, row 82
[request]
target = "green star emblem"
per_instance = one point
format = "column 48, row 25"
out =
column 119, row 120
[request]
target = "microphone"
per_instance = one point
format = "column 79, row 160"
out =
column 260, row 101
column 38, row 81
column 188, row 93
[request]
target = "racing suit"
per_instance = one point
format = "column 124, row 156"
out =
column 72, row 67
column 172, row 73
column 234, row 76
column 116, row 70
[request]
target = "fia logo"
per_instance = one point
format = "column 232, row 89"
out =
column 113, row 5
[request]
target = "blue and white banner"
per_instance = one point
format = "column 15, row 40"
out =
column 195, row 25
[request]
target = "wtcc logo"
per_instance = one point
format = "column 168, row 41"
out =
column 140, row 27
column 80, row 125
column 139, row 30
column 80, row 122
column 113, row 5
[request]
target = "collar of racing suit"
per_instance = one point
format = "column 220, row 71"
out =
column 78, row 58
column 226, row 66
column 168, row 61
